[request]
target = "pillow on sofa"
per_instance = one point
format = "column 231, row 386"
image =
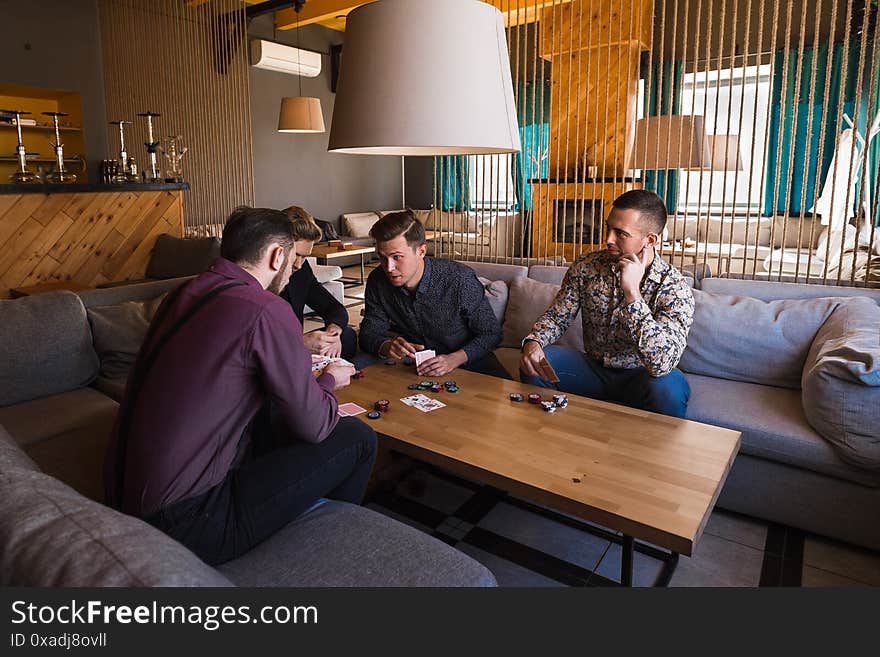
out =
column 497, row 294
column 746, row 339
column 527, row 300
column 456, row 222
column 45, row 347
column 841, row 382
column 174, row 257
column 119, row 331
column 359, row 224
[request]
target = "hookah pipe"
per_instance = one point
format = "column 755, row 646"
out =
column 22, row 175
column 125, row 174
column 151, row 145
column 59, row 175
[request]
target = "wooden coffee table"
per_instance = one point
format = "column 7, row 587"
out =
column 648, row 476
column 326, row 254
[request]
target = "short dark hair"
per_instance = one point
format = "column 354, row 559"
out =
column 248, row 232
column 651, row 208
column 395, row 224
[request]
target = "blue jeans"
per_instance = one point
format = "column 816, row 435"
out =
column 581, row 375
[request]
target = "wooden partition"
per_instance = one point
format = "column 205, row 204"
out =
column 88, row 238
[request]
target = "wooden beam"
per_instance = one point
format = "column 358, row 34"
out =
column 332, row 12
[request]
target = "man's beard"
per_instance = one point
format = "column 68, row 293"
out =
column 277, row 284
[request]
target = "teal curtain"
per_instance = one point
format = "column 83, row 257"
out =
column 800, row 172
column 663, row 81
column 873, row 168
column 533, row 114
column 453, row 173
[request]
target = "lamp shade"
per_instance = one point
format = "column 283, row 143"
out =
column 671, row 142
column 300, row 114
column 424, row 77
column 725, row 152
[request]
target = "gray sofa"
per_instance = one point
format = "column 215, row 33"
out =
column 774, row 370
column 63, row 362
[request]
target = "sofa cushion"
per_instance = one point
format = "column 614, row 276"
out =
column 496, row 293
column 340, row 544
column 841, row 382
column 547, row 273
column 40, row 419
column 770, row 290
column 45, row 347
column 527, row 301
column 118, row 332
column 174, row 257
column 496, row 272
column 53, row 536
column 772, row 423
column 745, row 339
column 135, row 292
column 358, row 224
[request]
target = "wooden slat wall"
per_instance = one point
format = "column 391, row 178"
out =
column 90, row 238
column 188, row 62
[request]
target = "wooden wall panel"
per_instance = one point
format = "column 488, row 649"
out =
column 89, row 238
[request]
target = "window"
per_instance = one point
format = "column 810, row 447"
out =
column 490, row 182
column 733, row 102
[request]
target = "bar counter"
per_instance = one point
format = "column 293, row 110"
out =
column 85, row 235
column 90, row 188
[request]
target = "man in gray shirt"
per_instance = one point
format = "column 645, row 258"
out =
column 428, row 303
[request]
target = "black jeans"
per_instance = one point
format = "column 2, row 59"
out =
column 271, row 487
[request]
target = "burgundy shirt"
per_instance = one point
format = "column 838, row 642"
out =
column 206, row 386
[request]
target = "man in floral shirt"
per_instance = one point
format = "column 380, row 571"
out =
column 636, row 311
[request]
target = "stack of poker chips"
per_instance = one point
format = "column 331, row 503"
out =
column 382, row 405
column 534, row 398
column 516, row 397
column 561, row 401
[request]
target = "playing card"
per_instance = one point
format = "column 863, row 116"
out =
column 422, row 402
column 424, row 355
column 350, row 409
column 320, row 362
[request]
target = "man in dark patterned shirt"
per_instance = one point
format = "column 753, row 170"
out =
column 430, row 304
column 636, row 311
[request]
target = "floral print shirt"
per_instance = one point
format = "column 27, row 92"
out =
column 650, row 333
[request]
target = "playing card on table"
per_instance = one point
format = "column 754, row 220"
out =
column 345, row 410
column 422, row 402
column 424, row 355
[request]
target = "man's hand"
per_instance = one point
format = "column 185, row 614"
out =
column 341, row 374
column 325, row 343
column 440, row 365
column 533, row 362
column 400, row 348
column 631, row 268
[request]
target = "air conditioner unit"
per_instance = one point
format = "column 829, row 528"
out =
column 285, row 59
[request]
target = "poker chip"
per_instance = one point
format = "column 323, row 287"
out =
column 534, row 398
column 549, row 406
column 560, row 401
column 382, row 405
column 516, row 397
column 426, row 384
column 450, row 384
column 374, row 415
column 453, row 389
column 414, row 386
column 436, row 388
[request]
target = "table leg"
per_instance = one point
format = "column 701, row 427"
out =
column 362, row 268
column 626, row 561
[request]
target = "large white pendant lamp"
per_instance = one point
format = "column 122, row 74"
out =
column 300, row 114
column 424, row 77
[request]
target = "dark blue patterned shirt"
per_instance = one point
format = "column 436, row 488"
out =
column 447, row 312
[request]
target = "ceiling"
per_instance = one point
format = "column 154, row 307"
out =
column 332, row 13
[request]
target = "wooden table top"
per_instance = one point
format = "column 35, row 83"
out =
column 650, row 476
column 333, row 252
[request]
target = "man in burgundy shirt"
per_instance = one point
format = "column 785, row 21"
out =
column 225, row 435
